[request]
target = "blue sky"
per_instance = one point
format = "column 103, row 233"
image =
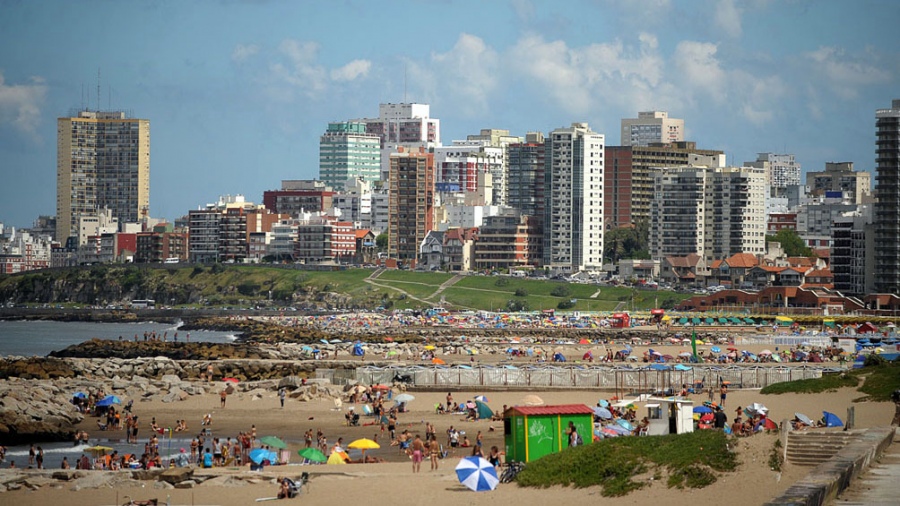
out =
column 238, row 92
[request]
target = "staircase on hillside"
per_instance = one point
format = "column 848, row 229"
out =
column 812, row 447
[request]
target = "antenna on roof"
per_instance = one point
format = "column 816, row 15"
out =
column 98, row 89
column 405, row 67
column 82, row 96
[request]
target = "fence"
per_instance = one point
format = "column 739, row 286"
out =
column 776, row 340
column 620, row 379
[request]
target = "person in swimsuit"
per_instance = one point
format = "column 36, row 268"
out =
column 435, row 452
column 418, row 453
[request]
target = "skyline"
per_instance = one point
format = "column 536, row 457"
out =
column 238, row 110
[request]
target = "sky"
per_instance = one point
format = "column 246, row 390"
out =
column 238, row 92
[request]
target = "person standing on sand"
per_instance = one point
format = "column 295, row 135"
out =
column 723, row 393
column 281, row 394
column 418, row 452
column 222, row 395
column 449, row 400
column 434, row 451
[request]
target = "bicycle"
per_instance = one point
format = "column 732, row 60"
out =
column 512, row 470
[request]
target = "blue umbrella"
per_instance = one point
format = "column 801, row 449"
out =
column 477, row 474
column 258, row 455
column 715, row 349
column 603, row 403
column 702, row 409
column 109, row 400
column 602, row 413
column 625, row 424
column 831, row 420
column 79, row 395
column 618, row 429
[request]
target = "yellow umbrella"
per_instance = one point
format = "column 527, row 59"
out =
column 364, row 444
column 337, row 458
column 99, row 449
column 430, row 347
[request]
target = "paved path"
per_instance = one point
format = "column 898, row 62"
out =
column 879, row 485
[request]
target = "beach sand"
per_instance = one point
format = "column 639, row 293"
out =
column 394, row 482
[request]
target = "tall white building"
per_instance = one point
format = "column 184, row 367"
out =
column 346, row 151
column 461, row 166
column 409, row 126
column 573, row 213
column 651, row 127
column 781, row 170
column 713, row 212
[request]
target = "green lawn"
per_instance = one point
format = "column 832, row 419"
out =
column 426, row 278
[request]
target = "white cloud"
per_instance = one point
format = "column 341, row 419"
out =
column 467, row 73
column 20, row 104
column 242, row 52
column 699, row 68
column 845, row 73
column 524, row 9
column 352, row 70
column 728, row 18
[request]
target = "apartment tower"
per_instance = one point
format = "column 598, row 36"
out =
column 103, row 161
column 887, row 206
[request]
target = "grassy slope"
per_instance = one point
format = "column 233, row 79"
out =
column 690, row 460
column 878, row 382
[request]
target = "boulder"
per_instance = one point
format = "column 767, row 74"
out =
column 175, row 475
column 186, row 484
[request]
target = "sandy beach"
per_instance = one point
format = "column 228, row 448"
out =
column 753, row 483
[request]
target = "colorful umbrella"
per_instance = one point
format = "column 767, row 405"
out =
column 364, row 444
column 430, row 347
column 831, row 420
column 109, row 400
column 603, row 413
column 625, row 424
column 702, row 409
column 98, row 449
column 607, row 432
column 484, row 412
column 715, row 349
column 274, row 442
column 312, row 454
column 231, row 380
column 337, row 458
column 477, row 474
column 258, row 455
column 438, row 361
column 482, row 398
column 803, row 418
column 532, row 400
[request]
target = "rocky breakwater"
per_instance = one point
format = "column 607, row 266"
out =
column 36, row 411
column 99, row 348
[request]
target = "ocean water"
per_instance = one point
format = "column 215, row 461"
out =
column 38, row 338
column 54, row 452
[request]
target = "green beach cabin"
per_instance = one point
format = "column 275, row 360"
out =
column 530, row 432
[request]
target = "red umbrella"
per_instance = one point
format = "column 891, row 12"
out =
column 707, row 417
column 231, row 380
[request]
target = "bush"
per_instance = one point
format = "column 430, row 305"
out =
column 874, row 360
column 501, row 282
column 517, row 305
column 565, row 304
column 560, row 291
column 521, row 292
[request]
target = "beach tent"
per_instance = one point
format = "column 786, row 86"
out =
column 530, row 432
column 358, row 350
column 831, row 420
column 483, row 411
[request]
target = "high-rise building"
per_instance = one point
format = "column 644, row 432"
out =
column 840, row 177
column 410, row 202
column 887, row 193
column 629, row 176
column 102, row 161
column 346, row 151
column 525, row 175
column 573, row 191
column 402, row 125
column 781, row 170
column 652, row 127
column 298, row 196
column 852, row 252
column 713, row 212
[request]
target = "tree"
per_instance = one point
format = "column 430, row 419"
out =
column 627, row 242
column 791, row 243
column 381, row 242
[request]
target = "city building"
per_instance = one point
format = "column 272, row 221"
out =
column 525, row 175
column 459, row 249
column 411, row 202
column 157, row 247
column 323, row 239
column 346, row 151
column 573, row 190
column 462, row 166
column 508, row 241
column 21, row 251
column 713, row 212
column 299, row 196
column 95, row 224
column 840, row 178
column 103, row 161
column 652, row 127
column 628, row 192
column 887, row 206
column 781, row 170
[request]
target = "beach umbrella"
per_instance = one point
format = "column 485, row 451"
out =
column 619, row 430
column 685, row 354
column 756, row 409
column 258, row 455
column 831, row 420
column 312, row 454
column 702, row 409
column 765, row 352
column 274, row 442
column 231, row 380
column 625, row 424
column 603, row 403
column 404, row 398
column 482, row 398
column 707, row 417
column 97, row 450
column 306, row 348
column 337, row 458
column 484, row 412
column 715, row 349
column 109, row 400
column 366, row 409
column 477, row 474
column 470, row 405
column 79, row 395
column 430, row 347
column 532, row 400
column 602, row 413
column 438, row 361
column 364, row 444
column 607, row 432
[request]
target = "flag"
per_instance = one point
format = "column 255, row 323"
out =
column 694, row 343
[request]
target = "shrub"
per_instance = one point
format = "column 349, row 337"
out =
column 560, row 291
column 501, row 282
column 521, row 292
column 565, row 304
